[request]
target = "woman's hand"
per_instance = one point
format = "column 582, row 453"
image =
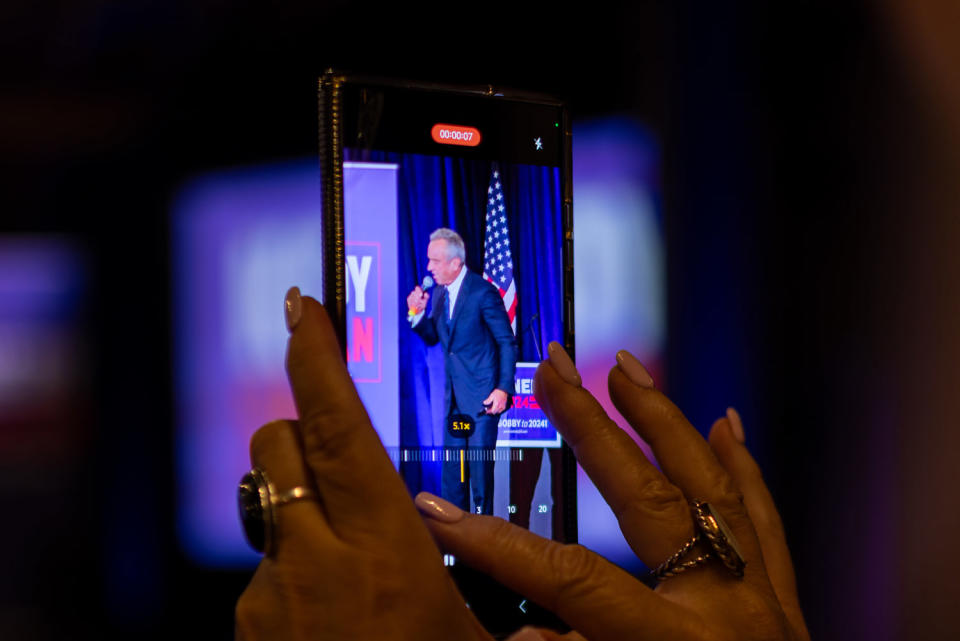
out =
column 358, row 563
column 599, row 600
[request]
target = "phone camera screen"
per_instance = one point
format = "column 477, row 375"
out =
column 454, row 230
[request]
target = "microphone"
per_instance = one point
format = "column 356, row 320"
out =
column 425, row 285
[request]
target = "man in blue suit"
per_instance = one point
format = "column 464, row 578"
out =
column 480, row 358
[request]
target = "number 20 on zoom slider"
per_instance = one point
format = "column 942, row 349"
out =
column 455, row 135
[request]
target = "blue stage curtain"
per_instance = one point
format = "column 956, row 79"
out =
column 437, row 191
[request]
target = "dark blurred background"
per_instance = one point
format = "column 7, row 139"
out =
column 810, row 181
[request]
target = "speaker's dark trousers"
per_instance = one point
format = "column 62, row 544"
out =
column 478, row 468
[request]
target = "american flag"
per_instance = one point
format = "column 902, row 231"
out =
column 498, row 255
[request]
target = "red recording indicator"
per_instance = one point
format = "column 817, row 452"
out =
column 455, row 135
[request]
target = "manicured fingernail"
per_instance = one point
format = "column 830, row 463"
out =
column 736, row 425
column 634, row 369
column 437, row 508
column 292, row 308
column 562, row 363
column 526, row 634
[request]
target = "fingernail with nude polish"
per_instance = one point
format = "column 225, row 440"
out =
column 437, row 508
column 526, row 634
column 736, row 425
column 634, row 369
column 562, row 363
column 292, row 308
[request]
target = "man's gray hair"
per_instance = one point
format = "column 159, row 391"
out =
column 455, row 248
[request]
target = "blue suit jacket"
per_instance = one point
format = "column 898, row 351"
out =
column 480, row 350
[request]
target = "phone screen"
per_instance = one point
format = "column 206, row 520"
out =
column 453, row 270
column 455, row 280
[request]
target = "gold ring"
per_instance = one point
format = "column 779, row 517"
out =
column 723, row 545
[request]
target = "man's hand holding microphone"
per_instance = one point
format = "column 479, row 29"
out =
column 417, row 301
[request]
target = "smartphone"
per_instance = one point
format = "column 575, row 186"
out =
column 448, row 268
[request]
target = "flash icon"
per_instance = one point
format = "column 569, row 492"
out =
column 538, row 143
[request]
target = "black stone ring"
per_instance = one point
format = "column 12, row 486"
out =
column 257, row 499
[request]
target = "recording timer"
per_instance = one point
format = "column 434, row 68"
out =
column 455, row 135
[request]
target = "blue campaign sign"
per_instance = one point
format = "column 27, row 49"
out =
column 373, row 303
column 525, row 424
column 365, row 310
